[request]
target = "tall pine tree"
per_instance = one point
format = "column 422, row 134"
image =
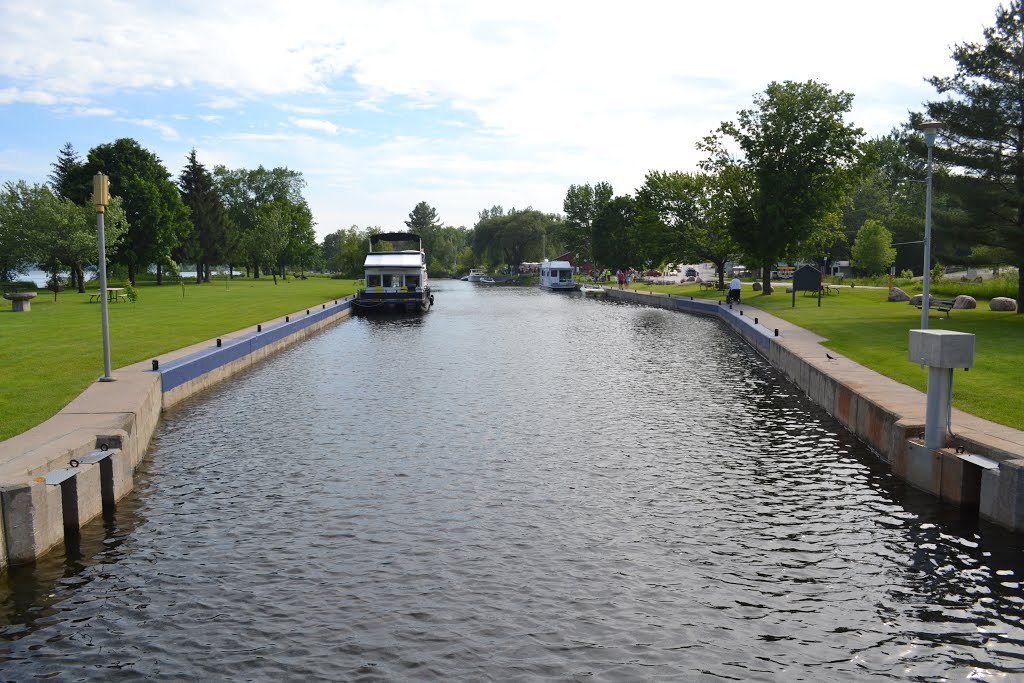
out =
column 207, row 241
column 984, row 133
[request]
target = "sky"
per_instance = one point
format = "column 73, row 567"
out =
column 464, row 105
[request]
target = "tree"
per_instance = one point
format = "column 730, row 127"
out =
column 423, row 217
column 983, row 138
column 206, row 243
column 245, row 192
column 513, row 237
column 15, row 244
column 801, row 156
column 157, row 218
column 692, row 213
column 615, row 239
column 873, row 252
column 57, row 233
column 66, row 179
column 581, row 206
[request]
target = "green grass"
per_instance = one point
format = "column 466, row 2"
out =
column 52, row 353
column 860, row 324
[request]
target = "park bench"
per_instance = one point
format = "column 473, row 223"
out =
column 944, row 305
column 708, row 284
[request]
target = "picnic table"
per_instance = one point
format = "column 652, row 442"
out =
column 709, row 284
column 113, row 294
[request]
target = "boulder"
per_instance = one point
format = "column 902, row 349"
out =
column 757, row 286
column 963, row 302
column 897, row 294
column 789, row 289
column 915, row 300
column 1003, row 303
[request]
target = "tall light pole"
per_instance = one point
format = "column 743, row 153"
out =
column 930, row 129
column 100, row 198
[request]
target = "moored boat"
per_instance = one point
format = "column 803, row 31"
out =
column 395, row 280
column 592, row 290
column 475, row 275
column 557, row 276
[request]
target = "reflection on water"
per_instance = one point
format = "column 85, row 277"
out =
column 518, row 486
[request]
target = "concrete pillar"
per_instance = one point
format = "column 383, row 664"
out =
column 33, row 520
column 941, row 351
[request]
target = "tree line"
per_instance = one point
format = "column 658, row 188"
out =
column 255, row 219
column 790, row 180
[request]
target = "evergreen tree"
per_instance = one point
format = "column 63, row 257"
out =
column 66, row 176
column 422, row 218
column 984, row 133
column 206, row 243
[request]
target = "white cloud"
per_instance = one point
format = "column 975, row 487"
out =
column 547, row 92
column 211, row 118
column 93, row 111
column 165, row 131
column 315, row 124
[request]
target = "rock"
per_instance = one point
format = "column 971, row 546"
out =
column 757, row 286
column 964, row 302
column 1003, row 303
column 897, row 294
column 915, row 300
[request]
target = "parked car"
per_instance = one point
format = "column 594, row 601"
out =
column 691, row 272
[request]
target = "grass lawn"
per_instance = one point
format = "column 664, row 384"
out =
column 52, row 353
column 860, row 324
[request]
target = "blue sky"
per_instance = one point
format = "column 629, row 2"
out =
column 464, row 105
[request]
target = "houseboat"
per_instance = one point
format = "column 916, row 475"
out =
column 556, row 276
column 395, row 279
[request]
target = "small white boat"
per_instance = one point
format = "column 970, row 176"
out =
column 475, row 275
column 593, row 290
column 485, row 280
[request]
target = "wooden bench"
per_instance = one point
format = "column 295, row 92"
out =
column 944, row 305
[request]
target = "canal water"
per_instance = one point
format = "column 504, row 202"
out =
column 517, row 486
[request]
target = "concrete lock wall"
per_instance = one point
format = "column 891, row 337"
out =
column 985, row 473
column 59, row 476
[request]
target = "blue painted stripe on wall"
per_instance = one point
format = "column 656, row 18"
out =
column 195, row 365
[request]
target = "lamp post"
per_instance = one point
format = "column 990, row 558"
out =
column 100, row 198
column 930, row 129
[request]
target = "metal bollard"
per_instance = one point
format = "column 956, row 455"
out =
column 156, row 365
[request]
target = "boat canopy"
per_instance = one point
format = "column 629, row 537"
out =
column 394, row 259
column 396, row 237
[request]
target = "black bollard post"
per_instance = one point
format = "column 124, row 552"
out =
column 259, row 328
column 156, row 365
column 776, row 332
column 755, row 321
column 218, row 342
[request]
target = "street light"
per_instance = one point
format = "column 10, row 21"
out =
column 930, row 129
column 100, row 198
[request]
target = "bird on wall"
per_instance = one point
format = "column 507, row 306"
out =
column 829, row 356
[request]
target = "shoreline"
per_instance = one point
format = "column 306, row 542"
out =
column 988, row 472
column 61, row 474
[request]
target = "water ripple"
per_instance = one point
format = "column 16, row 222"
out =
column 517, row 486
